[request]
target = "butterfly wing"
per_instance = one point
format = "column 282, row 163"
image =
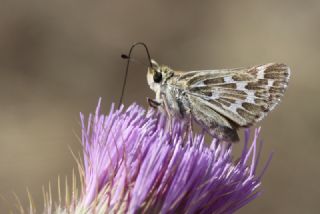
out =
column 232, row 98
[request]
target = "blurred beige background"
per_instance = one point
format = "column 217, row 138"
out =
column 58, row 57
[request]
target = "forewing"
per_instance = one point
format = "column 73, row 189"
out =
column 242, row 95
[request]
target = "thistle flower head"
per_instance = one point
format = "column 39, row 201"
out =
column 133, row 164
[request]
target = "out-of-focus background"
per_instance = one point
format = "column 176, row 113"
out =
column 58, row 57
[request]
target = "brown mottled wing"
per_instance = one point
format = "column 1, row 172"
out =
column 232, row 98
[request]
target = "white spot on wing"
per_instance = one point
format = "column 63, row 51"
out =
column 261, row 69
column 228, row 79
column 241, row 86
column 215, row 95
column 270, row 83
column 198, row 84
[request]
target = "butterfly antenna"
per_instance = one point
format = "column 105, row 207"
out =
column 128, row 57
column 124, row 56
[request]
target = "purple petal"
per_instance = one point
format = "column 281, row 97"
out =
column 138, row 165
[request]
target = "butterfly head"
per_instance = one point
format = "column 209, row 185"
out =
column 157, row 75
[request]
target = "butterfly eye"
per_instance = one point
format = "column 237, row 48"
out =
column 157, row 77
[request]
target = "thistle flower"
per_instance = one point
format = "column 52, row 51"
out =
column 133, row 164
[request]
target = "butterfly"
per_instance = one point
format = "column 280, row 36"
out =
column 221, row 101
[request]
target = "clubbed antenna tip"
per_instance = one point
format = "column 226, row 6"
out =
column 124, row 56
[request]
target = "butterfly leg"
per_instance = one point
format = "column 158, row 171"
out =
column 190, row 124
column 152, row 103
column 166, row 107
